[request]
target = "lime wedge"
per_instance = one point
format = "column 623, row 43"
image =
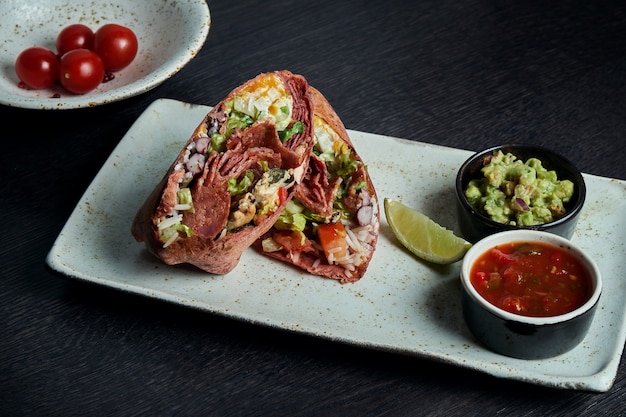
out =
column 422, row 236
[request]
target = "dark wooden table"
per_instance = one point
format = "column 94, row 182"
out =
column 464, row 74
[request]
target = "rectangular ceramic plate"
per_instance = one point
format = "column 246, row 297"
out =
column 402, row 304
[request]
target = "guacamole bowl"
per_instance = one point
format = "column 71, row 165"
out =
column 516, row 186
column 529, row 294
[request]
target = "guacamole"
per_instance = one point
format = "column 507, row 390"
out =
column 518, row 193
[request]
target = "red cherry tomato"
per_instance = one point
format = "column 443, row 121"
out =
column 37, row 67
column 117, row 46
column 75, row 36
column 80, row 71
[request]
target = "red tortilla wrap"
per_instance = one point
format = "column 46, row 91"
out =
column 233, row 177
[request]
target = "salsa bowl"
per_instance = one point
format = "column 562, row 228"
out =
column 554, row 170
column 529, row 294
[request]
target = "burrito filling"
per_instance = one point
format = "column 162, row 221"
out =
column 266, row 99
column 344, row 238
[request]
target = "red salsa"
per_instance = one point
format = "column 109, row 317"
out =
column 531, row 279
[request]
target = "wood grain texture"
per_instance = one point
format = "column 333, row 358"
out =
column 464, row 74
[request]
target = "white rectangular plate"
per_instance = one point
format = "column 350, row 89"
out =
column 402, row 304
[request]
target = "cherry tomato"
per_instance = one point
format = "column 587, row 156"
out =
column 37, row 67
column 80, row 71
column 117, row 46
column 75, row 36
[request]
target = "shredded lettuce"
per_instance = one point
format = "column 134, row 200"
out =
column 184, row 229
column 270, row 245
column 297, row 127
column 347, row 166
column 238, row 120
column 292, row 217
column 293, row 206
column 360, row 185
column 166, row 234
column 217, row 142
column 184, row 197
column 235, row 187
column 295, row 217
column 291, row 221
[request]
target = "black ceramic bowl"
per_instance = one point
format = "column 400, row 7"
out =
column 474, row 225
column 519, row 336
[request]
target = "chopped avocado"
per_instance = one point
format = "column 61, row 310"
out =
column 520, row 193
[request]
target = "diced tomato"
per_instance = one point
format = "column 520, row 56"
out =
column 293, row 241
column 556, row 257
column 511, row 275
column 332, row 237
column 282, row 195
column 503, row 259
column 481, row 276
column 512, row 304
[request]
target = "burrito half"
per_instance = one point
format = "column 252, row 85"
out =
column 330, row 227
column 233, row 177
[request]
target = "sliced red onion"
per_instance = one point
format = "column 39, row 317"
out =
column 220, row 117
column 213, row 128
column 521, row 204
column 202, row 144
column 195, row 163
column 366, row 197
column 364, row 215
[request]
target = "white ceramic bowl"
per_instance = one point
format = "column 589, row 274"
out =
column 170, row 34
column 520, row 336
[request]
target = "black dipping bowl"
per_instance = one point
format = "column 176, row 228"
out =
column 520, row 336
column 474, row 225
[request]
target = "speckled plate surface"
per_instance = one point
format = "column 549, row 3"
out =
column 402, row 305
column 170, row 34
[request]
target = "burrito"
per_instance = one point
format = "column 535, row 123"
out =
column 330, row 227
column 233, row 177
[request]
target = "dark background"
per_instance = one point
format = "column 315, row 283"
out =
column 465, row 74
